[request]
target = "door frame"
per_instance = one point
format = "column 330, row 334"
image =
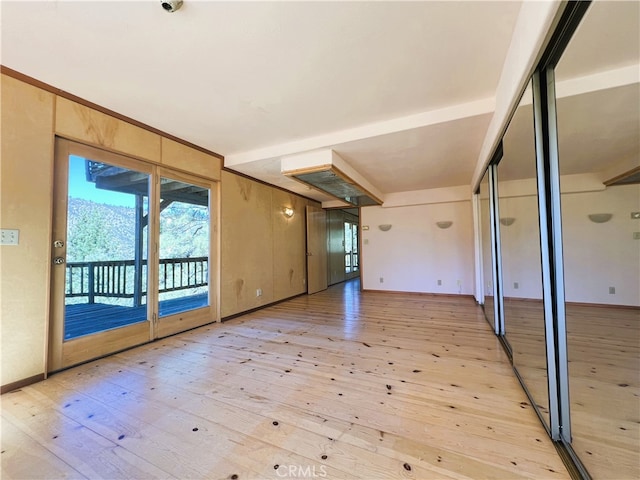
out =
column 62, row 354
column 179, row 322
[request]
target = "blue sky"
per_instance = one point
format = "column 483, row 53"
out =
column 79, row 187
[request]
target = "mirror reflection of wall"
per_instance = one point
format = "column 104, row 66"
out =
column 598, row 98
column 520, row 248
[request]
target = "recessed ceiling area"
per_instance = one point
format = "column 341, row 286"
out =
column 402, row 91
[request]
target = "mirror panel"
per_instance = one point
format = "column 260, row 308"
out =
column 599, row 139
column 520, row 249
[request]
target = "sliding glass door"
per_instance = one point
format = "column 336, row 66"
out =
column 351, row 262
column 131, row 253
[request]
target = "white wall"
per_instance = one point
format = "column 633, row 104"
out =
column 602, row 255
column 415, row 253
column 596, row 256
column 520, row 243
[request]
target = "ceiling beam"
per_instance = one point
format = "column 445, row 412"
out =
column 409, row 122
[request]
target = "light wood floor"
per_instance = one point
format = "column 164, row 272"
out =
column 334, row 385
column 604, row 379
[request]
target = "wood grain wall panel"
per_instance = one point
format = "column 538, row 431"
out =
column 289, row 246
column 182, row 157
column 84, row 124
column 25, row 204
column 246, row 244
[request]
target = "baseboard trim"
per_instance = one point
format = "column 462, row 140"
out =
column 9, row 387
column 267, row 305
column 424, row 294
column 573, row 304
column 602, row 305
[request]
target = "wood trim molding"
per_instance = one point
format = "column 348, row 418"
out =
column 9, row 387
column 425, row 294
column 69, row 96
column 573, row 304
column 247, row 312
column 277, row 187
column 622, row 176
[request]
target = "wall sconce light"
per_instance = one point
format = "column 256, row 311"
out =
column 506, row 221
column 600, row 217
column 288, row 212
column 385, row 228
column 444, row 224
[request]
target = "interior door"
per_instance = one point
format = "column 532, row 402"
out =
column 100, row 254
column 316, row 249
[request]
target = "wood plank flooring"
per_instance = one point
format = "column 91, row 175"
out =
column 336, row 385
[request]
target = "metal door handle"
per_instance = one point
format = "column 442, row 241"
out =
column 58, row 244
column 58, row 261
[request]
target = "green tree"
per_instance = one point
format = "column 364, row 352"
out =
column 89, row 238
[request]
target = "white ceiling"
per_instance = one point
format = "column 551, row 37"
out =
column 403, row 91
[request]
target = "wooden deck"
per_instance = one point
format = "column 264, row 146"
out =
column 337, row 385
column 84, row 319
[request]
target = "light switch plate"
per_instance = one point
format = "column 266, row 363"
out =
column 9, row 236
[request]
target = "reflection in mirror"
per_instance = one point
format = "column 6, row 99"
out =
column 487, row 265
column 598, row 138
column 520, row 249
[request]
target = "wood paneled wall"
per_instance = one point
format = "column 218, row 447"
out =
column 31, row 118
column 26, row 181
column 261, row 249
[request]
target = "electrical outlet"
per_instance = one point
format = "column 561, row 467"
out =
column 259, row 292
column 612, row 290
column 381, row 280
column 9, row 236
column 636, row 235
column 439, row 282
column 516, row 285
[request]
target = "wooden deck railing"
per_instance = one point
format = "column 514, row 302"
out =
column 117, row 278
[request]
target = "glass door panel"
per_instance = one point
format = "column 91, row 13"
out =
column 99, row 277
column 354, row 247
column 351, row 249
column 348, row 242
column 183, row 273
column 106, row 251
